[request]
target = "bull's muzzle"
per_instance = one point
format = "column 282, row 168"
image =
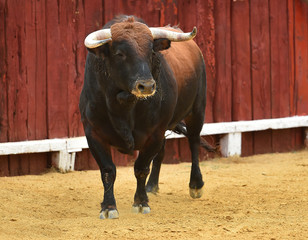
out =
column 144, row 88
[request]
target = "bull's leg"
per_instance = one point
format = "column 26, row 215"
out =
column 103, row 158
column 152, row 184
column 194, row 125
column 142, row 169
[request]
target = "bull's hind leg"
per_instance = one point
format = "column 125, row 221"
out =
column 103, row 158
column 152, row 184
column 194, row 123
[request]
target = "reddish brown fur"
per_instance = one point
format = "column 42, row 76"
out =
column 135, row 33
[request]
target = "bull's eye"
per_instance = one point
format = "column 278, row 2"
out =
column 119, row 54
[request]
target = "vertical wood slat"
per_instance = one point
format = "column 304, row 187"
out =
column 17, row 86
column 4, row 160
column 241, row 75
column 296, row 133
column 260, row 72
column 169, row 13
column 223, row 86
column 301, row 56
column 76, row 65
column 41, row 160
column 298, row 55
column 56, row 70
column 206, row 42
column 280, row 83
column 35, row 45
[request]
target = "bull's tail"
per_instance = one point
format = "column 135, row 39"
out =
column 181, row 129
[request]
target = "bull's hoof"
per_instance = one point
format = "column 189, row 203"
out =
column 109, row 214
column 152, row 189
column 195, row 193
column 141, row 208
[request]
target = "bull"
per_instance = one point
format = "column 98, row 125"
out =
column 138, row 83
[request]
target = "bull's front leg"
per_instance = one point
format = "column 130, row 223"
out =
column 103, row 158
column 142, row 169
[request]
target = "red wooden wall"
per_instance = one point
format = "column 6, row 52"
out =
column 255, row 52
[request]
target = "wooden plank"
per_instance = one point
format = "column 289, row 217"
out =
column 76, row 67
column 254, row 125
column 223, row 86
column 262, row 143
column 283, row 140
column 94, row 15
column 4, row 166
column 30, row 68
column 247, row 144
column 57, row 100
column 184, row 151
column 152, row 15
column 295, row 137
column 35, row 146
column 279, row 59
column 3, row 75
column 206, row 41
column 4, row 161
column 149, row 11
column 260, row 70
column 17, row 84
column 172, row 151
column 301, row 56
column 260, row 59
column 291, row 57
column 300, row 41
column 41, row 71
column 73, row 37
column 39, row 162
column 169, row 14
column 280, row 82
column 35, row 53
column 81, row 161
column 241, row 75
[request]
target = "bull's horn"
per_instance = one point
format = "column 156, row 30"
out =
column 98, row 38
column 173, row 36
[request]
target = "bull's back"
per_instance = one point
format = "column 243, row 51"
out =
column 186, row 62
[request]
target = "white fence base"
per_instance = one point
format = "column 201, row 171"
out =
column 231, row 144
column 64, row 150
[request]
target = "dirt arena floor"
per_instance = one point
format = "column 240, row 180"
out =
column 259, row 197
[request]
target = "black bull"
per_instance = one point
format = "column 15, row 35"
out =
column 136, row 87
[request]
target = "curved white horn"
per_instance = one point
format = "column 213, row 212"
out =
column 98, row 38
column 172, row 35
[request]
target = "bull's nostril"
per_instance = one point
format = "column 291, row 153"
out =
column 144, row 87
column 140, row 87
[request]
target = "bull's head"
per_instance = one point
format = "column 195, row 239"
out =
column 127, row 48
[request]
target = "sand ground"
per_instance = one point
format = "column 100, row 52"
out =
column 259, row 197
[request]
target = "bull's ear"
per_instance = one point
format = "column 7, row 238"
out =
column 161, row 44
column 100, row 51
